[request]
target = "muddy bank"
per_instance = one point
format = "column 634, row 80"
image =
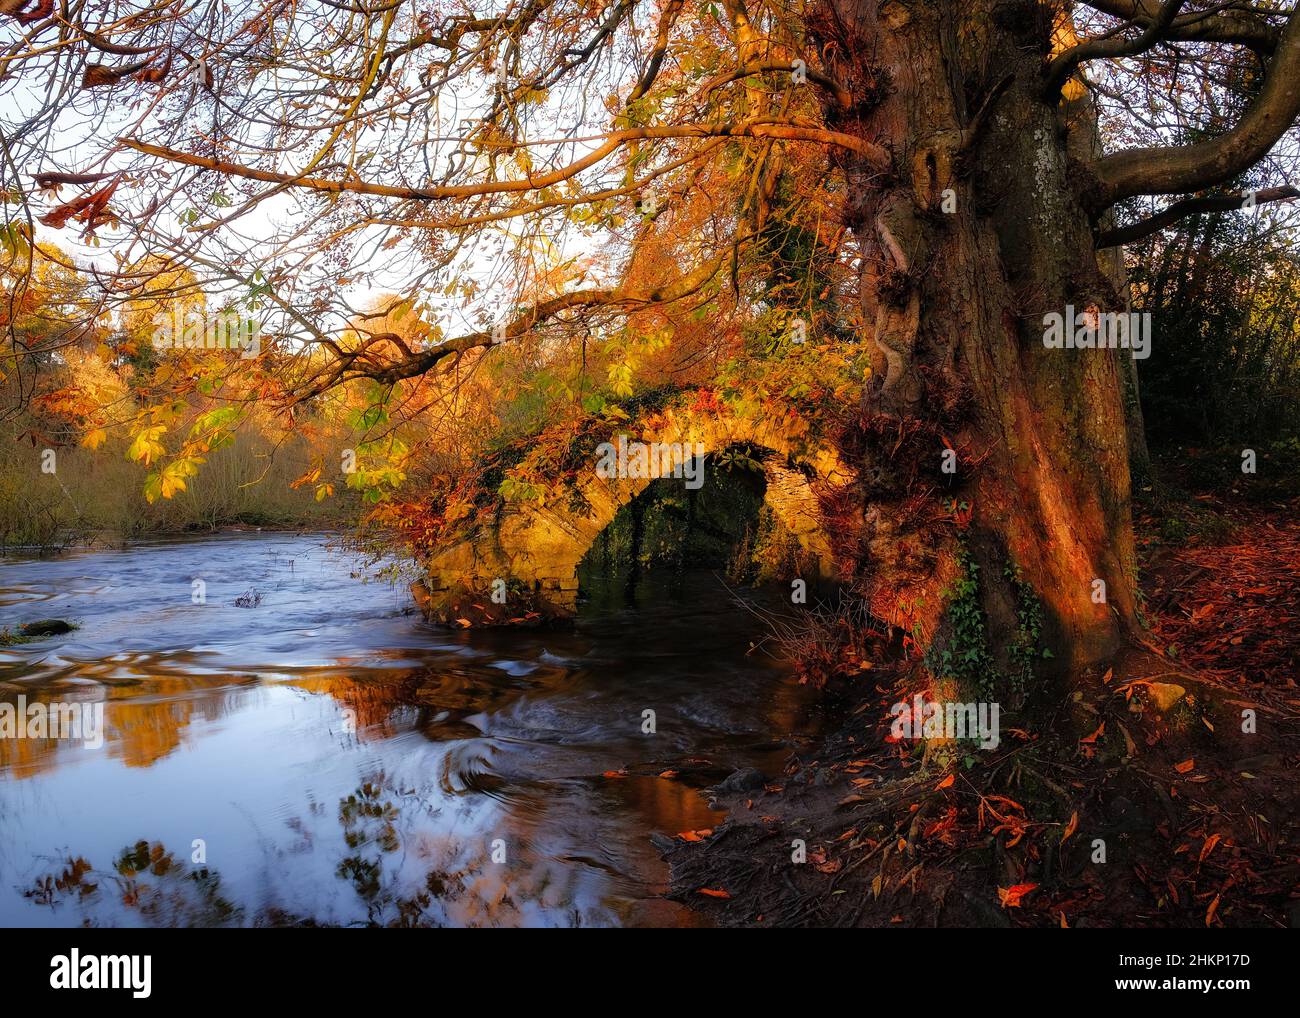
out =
column 1152, row 824
column 1163, row 793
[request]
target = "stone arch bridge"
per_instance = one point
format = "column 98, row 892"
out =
column 540, row 547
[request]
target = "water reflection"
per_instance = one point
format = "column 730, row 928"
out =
column 342, row 763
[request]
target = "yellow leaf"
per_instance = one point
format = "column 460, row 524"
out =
column 94, row 438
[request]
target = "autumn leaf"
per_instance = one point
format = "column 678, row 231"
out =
column 713, row 892
column 945, row 783
column 1070, row 827
column 1208, row 847
column 1011, row 896
column 98, row 75
column 94, row 438
column 146, row 448
column 1090, row 739
column 1185, row 766
column 1210, row 912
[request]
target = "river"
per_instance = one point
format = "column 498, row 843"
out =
column 321, row 755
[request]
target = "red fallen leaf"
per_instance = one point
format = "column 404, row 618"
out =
column 1070, row 827
column 1088, row 740
column 464, row 622
column 1010, row 896
column 614, row 774
column 1209, row 912
column 1185, row 766
column 1208, row 847
column 946, row 782
column 832, row 866
column 713, row 892
column 943, row 826
column 699, row 835
column 668, row 774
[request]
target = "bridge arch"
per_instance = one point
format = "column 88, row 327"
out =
column 537, row 548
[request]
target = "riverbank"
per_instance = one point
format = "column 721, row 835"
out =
column 1179, row 808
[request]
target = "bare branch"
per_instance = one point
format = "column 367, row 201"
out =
column 1228, row 26
column 1190, row 207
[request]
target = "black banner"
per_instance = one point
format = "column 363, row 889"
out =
column 155, row 967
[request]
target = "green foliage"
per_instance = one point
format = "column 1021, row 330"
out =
column 1025, row 650
column 965, row 656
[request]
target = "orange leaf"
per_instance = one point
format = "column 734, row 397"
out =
column 713, row 892
column 1070, row 827
column 1094, row 736
column 1209, row 912
column 1010, row 896
column 668, row 774
column 946, row 782
column 1208, row 847
column 1185, row 766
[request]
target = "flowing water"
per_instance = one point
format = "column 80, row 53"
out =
column 325, row 756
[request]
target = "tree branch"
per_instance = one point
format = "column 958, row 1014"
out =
column 1199, row 26
column 535, row 182
column 1059, row 70
column 1190, row 207
column 1185, row 168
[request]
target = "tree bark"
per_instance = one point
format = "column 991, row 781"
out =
column 954, row 304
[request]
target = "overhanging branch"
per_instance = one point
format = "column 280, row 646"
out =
column 1217, row 25
column 1187, row 168
column 782, row 131
column 1190, row 207
column 1060, row 69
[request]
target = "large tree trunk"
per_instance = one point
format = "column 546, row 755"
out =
column 954, row 301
